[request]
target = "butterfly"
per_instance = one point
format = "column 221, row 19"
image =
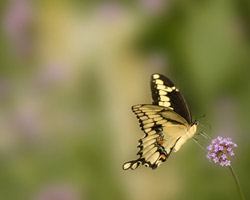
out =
column 167, row 124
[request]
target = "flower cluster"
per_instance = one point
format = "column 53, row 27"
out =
column 220, row 151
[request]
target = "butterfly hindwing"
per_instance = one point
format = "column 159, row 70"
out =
column 151, row 150
column 164, row 93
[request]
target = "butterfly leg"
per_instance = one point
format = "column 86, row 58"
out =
column 204, row 135
column 196, row 141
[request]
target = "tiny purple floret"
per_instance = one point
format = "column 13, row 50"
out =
column 221, row 150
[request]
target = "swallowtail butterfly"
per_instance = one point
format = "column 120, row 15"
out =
column 166, row 123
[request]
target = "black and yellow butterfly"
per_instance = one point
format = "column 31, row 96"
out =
column 167, row 124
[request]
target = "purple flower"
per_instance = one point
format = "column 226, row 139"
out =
column 110, row 11
column 153, row 6
column 52, row 74
column 221, row 150
column 18, row 24
column 58, row 192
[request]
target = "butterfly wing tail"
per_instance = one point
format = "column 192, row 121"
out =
column 133, row 164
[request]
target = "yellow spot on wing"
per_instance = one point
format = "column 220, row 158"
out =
column 155, row 76
column 150, row 137
column 153, row 116
column 143, row 117
column 157, row 119
column 162, row 92
column 135, row 165
column 161, row 121
column 145, row 150
column 154, row 157
column 164, row 98
column 151, row 132
column 161, row 87
column 147, row 130
column 161, row 103
column 149, row 143
column 169, row 89
column 150, row 113
column 126, row 165
column 136, row 106
column 147, row 121
column 149, row 153
column 166, row 104
column 148, row 125
column 158, row 81
column 140, row 114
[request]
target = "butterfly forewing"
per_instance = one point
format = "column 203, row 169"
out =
column 164, row 93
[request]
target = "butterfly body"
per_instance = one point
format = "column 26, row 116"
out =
column 189, row 134
column 167, row 124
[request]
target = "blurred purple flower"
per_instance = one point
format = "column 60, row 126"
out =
column 58, row 192
column 26, row 121
column 110, row 11
column 153, row 6
column 52, row 74
column 17, row 24
column 220, row 151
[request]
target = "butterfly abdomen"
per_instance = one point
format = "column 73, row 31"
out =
column 190, row 133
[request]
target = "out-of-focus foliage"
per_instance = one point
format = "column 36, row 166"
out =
column 70, row 72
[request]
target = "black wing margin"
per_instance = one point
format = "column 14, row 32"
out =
column 164, row 93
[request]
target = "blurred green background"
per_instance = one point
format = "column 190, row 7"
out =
column 70, row 72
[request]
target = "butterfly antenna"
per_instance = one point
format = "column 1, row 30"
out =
column 206, row 136
column 202, row 116
column 196, row 141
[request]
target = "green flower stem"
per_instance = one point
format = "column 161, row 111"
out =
column 237, row 182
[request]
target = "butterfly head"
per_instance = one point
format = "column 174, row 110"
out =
column 193, row 128
column 195, row 123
